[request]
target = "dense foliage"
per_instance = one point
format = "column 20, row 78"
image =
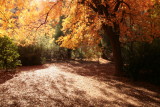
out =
column 8, row 54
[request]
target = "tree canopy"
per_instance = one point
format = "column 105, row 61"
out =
column 121, row 20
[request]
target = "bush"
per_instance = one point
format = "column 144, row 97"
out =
column 44, row 50
column 30, row 55
column 142, row 60
column 86, row 53
column 8, row 54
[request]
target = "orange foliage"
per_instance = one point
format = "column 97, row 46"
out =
column 85, row 19
column 24, row 20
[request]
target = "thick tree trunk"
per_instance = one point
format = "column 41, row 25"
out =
column 116, row 48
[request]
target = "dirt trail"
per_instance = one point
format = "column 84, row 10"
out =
column 74, row 85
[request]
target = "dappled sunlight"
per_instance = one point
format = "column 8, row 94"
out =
column 79, row 53
column 50, row 71
column 61, row 84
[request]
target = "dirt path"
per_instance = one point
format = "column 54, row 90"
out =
column 73, row 85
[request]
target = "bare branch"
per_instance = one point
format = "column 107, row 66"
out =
column 47, row 14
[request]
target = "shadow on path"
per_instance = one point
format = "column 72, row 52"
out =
column 76, row 84
column 6, row 75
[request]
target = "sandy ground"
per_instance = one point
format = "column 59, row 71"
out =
column 74, row 85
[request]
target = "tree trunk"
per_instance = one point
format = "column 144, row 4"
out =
column 116, row 48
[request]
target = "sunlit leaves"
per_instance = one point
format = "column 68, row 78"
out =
column 24, row 20
column 83, row 21
column 79, row 27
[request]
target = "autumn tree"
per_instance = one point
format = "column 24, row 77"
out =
column 25, row 20
column 30, row 23
column 118, row 18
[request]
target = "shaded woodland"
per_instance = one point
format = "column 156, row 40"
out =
column 112, row 43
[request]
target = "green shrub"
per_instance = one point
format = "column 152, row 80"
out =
column 8, row 54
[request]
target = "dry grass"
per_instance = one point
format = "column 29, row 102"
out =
column 74, row 84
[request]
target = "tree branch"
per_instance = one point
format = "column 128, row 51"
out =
column 47, row 14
